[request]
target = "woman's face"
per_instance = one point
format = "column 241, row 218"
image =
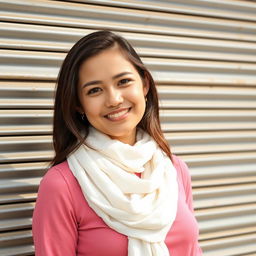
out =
column 112, row 94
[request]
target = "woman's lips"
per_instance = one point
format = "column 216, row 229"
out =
column 118, row 115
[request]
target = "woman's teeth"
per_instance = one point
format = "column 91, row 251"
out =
column 116, row 115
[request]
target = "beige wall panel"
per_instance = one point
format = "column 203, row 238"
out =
column 202, row 55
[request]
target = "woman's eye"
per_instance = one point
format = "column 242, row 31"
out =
column 93, row 90
column 124, row 81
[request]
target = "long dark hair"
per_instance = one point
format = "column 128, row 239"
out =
column 67, row 122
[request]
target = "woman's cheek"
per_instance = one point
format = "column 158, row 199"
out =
column 135, row 93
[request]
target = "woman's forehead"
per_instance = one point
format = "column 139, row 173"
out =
column 108, row 62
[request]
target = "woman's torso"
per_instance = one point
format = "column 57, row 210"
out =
column 94, row 238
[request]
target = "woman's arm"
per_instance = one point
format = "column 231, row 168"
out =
column 54, row 224
column 186, row 180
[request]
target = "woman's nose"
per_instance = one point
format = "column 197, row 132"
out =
column 114, row 98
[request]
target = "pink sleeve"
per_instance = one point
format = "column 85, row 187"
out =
column 54, row 224
column 187, row 185
column 186, row 178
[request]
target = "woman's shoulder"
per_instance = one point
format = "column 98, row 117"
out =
column 60, row 186
column 60, row 168
column 182, row 169
column 58, row 178
column 179, row 163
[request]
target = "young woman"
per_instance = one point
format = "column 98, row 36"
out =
column 114, row 188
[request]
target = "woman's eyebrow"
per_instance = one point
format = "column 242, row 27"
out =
column 99, row 82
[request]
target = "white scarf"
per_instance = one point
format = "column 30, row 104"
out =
column 141, row 208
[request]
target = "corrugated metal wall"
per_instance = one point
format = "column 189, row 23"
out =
column 202, row 55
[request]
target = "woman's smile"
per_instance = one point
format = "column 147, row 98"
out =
column 118, row 115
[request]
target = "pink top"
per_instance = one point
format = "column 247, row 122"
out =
column 64, row 224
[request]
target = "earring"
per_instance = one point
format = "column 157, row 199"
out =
column 83, row 116
column 146, row 99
